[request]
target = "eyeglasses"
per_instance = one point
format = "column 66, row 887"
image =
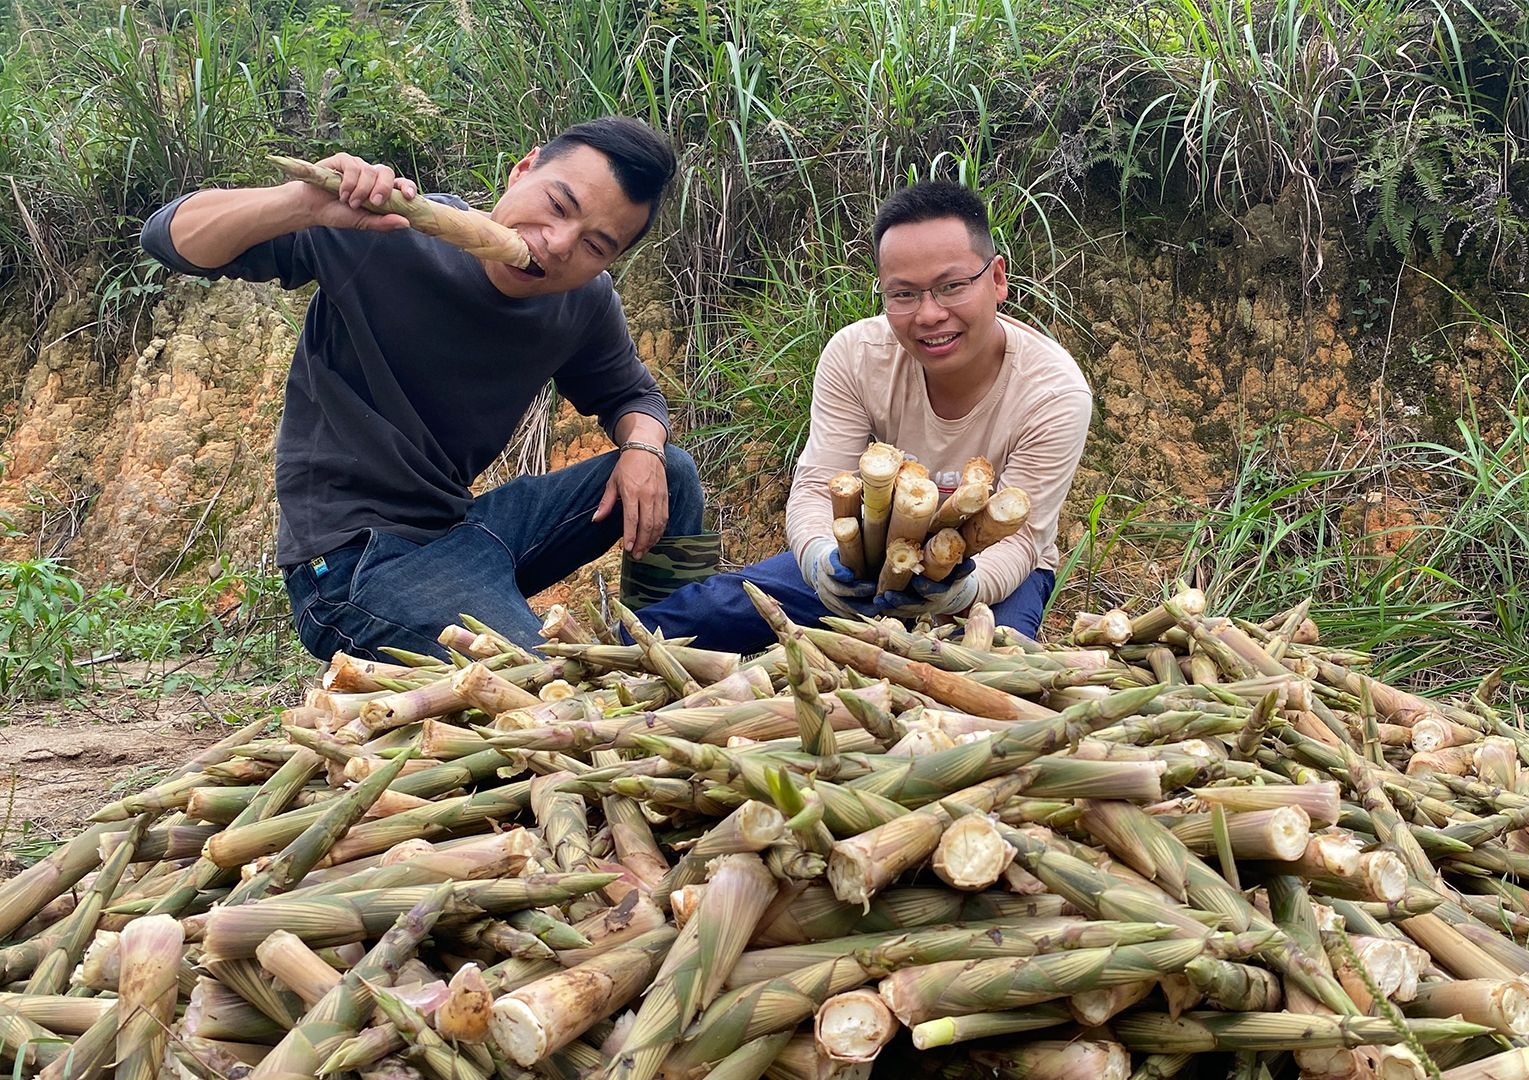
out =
column 947, row 294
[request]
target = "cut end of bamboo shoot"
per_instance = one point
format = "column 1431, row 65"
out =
column 878, row 467
column 844, row 491
column 903, row 560
column 851, row 547
column 971, row 854
column 979, row 471
column 943, row 553
column 1003, row 516
column 854, row 1026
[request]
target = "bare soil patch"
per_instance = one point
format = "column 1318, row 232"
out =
column 60, row 761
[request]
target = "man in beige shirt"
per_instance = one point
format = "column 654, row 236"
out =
column 944, row 377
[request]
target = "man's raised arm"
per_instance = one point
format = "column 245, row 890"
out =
column 214, row 227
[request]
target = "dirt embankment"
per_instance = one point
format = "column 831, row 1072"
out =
column 1193, row 343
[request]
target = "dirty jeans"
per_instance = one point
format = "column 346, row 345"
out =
column 718, row 613
column 382, row 589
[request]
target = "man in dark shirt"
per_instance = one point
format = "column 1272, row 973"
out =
column 415, row 365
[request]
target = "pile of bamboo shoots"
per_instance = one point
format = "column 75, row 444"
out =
column 890, row 522
column 1172, row 844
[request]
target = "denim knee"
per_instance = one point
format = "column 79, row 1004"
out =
column 685, row 499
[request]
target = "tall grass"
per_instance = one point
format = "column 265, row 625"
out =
column 108, row 112
column 1418, row 105
column 1409, row 117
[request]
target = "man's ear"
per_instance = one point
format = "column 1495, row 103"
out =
column 523, row 166
column 1000, row 278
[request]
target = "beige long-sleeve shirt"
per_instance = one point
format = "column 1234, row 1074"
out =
column 1031, row 425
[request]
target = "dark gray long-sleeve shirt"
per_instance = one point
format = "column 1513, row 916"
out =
column 412, row 373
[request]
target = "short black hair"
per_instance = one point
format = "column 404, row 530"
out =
column 929, row 201
column 641, row 158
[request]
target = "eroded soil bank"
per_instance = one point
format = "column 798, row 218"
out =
column 155, row 467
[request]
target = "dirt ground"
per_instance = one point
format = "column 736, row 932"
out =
column 62, row 760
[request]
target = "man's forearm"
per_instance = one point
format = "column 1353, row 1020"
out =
column 214, row 227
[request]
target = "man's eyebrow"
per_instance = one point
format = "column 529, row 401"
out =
column 944, row 275
column 601, row 235
column 567, row 193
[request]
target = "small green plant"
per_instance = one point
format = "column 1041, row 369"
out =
column 1441, row 178
column 1371, row 305
column 31, row 845
column 239, row 620
column 41, row 622
column 50, row 625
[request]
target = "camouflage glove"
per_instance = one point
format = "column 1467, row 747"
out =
column 836, row 585
column 957, row 592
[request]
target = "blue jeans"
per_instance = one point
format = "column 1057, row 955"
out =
column 381, row 589
column 718, row 613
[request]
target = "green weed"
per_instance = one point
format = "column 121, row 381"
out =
column 53, row 633
column 42, row 623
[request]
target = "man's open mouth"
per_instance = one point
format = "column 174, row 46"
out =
column 534, row 268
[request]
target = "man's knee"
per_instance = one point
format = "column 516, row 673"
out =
column 680, row 468
column 686, row 501
column 1024, row 607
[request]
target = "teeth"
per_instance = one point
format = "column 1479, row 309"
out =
column 937, row 341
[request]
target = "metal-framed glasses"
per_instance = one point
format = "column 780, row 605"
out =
column 947, row 294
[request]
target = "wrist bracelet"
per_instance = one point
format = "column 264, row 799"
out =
column 633, row 444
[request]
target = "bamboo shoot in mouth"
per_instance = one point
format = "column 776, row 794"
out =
column 471, row 230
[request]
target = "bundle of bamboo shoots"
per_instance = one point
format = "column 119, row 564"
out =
column 891, row 523
column 1175, row 842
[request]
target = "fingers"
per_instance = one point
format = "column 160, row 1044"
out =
column 901, row 605
column 650, row 525
column 640, row 487
column 607, row 500
column 847, row 607
column 654, row 515
column 631, row 518
column 855, row 587
column 923, row 586
column 364, row 185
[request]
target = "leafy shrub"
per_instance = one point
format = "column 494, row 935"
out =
column 340, row 83
column 1438, row 175
column 50, row 626
column 42, row 623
